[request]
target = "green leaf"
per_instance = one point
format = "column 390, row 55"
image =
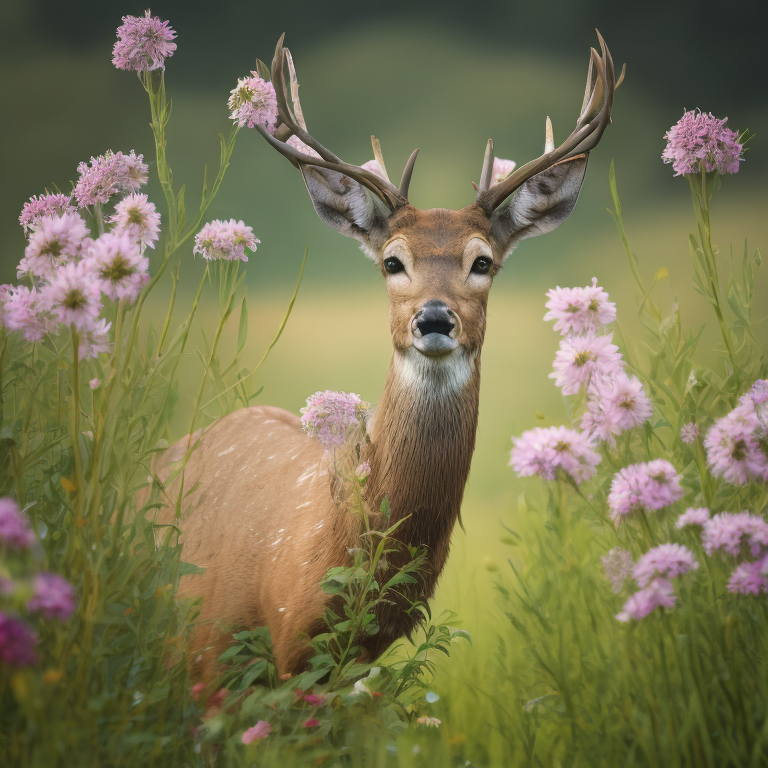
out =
column 242, row 331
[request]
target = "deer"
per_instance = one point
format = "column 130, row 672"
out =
column 261, row 518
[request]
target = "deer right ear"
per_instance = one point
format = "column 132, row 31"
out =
column 348, row 207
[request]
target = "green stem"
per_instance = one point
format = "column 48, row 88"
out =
column 75, row 416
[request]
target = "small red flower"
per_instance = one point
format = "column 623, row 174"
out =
column 311, row 723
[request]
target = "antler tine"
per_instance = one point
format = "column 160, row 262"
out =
column 549, row 136
column 592, row 121
column 379, row 156
column 485, row 174
column 405, row 181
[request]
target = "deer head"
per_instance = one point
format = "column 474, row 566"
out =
column 439, row 264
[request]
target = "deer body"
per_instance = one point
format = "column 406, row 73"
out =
column 261, row 518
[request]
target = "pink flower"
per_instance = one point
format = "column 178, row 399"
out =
column 692, row 516
column 55, row 241
column 734, row 446
column 300, row 146
column 310, row 722
column 759, row 392
column 253, row 102
column 196, row 690
column 261, row 730
column 666, row 560
column 24, row 310
column 727, row 530
column 94, row 339
column 54, row 597
column 73, row 294
column 332, row 417
column 314, row 700
column 689, row 433
column 362, row 471
column 45, row 205
column 579, row 310
column 541, row 451
column 659, row 593
column 108, row 175
column 749, row 578
column 117, row 265
column 94, row 383
column 651, row 486
column 143, row 43
column 225, row 240
column 17, row 642
column 618, row 567
column 616, row 403
column 501, row 169
column 138, row 218
column 702, row 139
column 579, row 357
column 15, row 530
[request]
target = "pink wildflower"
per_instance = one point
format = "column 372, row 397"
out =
column 735, row 450
column 650, row 486
column 501, row 169
column 311, row 722
column 261, row 730
column 225, row 240
column 196, row 690
column 45, row 205
column 55, row 241
column 253, row 102
column 24, row 310
column 138, row 218
column 659, row 593
column 542, row 450
column 94, row 340
column 362, row 471
column 579, row 310
column 143, row 43
column 117, row 265
column 702, row 139
column 300, row 146
column 749, row 578
column 689, row 433
column 618, row 567
column 54, row 597
column 314, row 700
column 759, row 391
column 616, row 403
column 108, row 175
column 15, row 530
column 666, row 560
column 73, row 294
column 728, row 530
column 692, row 516
column 332, row 417
column 579, row 357
column 17, row 642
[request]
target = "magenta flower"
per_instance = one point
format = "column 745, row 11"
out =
column 261, row 730
column 541, row 451
column 73, row 294
column 24, row 310
column 314, row 700
column 116, row 263
column 15, row 530
column 136, row 217
column 666, row 560
column 45, row 205
column 332, row 417
column 658, row 594
column 617, row 402
column 749, row 578
column 300, row 146
column 94, row 339
column 728, row 531
column 618, row 567
column 143, row 43
column 225, row 240
column 54, row 597
column 55, row 241
column 17, row 642
column 579, row 310
column 501, row 169
column 692, row 516
column 108, row 175
column 311, row 722
column 650, row 486
column 734, row 445
column 579, row 357
column 253, row 102
column 94, row 383
column 759, row 392
column 701, row 139
column 689, row 433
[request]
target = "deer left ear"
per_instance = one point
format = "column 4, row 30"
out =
column 542, row 203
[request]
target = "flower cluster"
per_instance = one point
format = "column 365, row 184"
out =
column 15, row 530
column 45, row 205
column 332, row 416
column 579, row 310
column 729, row 531
column 544, row 450
column 700, row 140
column 108, row 175
column 136, row 217
column 225, row 240
column 143, row 44
column 650, row 486
column 253, row 102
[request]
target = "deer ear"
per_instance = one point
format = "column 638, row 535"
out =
column 542, row 203
column 348, row 207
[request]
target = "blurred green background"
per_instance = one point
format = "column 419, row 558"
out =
column 443, row 77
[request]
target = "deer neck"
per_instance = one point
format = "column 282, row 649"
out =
column 422, row 439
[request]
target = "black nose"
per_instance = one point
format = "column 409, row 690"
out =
column 434, row 317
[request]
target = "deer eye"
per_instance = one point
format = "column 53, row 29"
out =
column 393, row 265
column 482, row 265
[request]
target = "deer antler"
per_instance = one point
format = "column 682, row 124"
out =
column 291, row 122
column 595, row 116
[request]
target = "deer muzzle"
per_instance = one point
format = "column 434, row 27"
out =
column 435, row 329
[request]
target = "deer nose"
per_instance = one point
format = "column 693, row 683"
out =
column 434, row 328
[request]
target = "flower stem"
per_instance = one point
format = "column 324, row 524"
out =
column 75, row 421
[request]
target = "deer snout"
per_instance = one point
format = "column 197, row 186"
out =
column 435, row 328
